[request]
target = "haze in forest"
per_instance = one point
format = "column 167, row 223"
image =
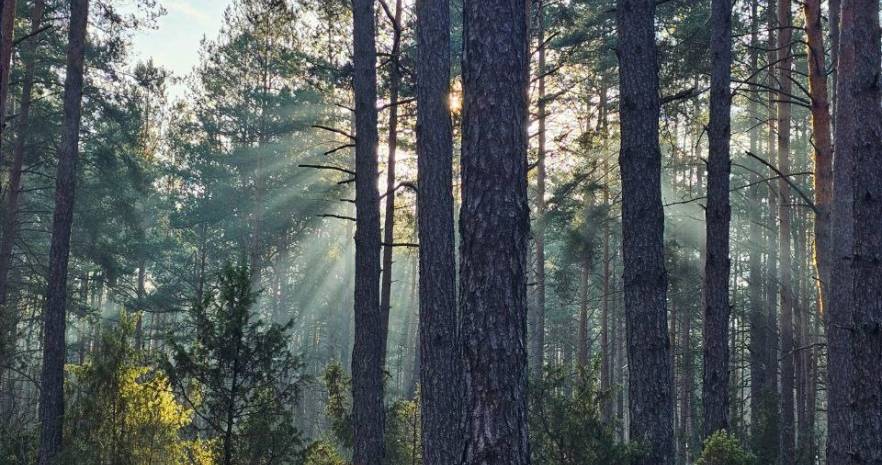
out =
column 434, row 232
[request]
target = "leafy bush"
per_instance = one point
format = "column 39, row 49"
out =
column 724, row 449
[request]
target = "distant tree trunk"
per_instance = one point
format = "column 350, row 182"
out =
column 785, row 62
column 645, row 278
column 369, row 350
column 686, row 388
column 52, row 376
column 438, row 356
column 538, row 326
column 821, row 143
column 757, row 311
column 715, row 384
column 767, row 452
column 494, row 230
column 861, row 142
column 582, row 344
column 8, row 315
column 389, row 218
column 7, row 21
column 606, row 349
column 141, row 292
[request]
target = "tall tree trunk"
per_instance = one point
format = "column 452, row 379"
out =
column 757, row 312
column 389, row 218
column 860, row 94
column 605, row 354
column 838, row 317
column 767, row 451
column 715, row 378
column 369, row 350
column 54, row 315
column 7, row 23
column 494, row 230
column 821, row 143
column 785, row 62
column 645, row 278
column 538, row 326
column 438, row 357
column 8, row 314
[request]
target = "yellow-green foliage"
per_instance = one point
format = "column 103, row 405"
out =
column 322, row 453
column 122, row 412
column 724, row 449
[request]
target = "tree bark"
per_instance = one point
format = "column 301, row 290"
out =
column 438, row 357
column 494, row 230
column 645, row 278
column 52, row 375
column 861, row 142
column 821, row 142
column 715, row 378
column 582, row 344
column 369, row 350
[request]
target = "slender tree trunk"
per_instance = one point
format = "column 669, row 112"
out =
column 494, row 230
column 389, row 218
column 52, row 376
column 582, row 344
column 8, row 314
column 538, row 349
column 7, row 23
column 785, row 33
column 757, row 319
column 861, row 95
column 645, row 278
column 438, row 356
column 686, row 387
column 369, row 351
column 606, row 349
column 141, row 292
column 821, row 142
column 715, row 379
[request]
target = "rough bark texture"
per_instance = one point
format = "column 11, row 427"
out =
column 369, row 350
column 582, row 343
column 821, row 142
column 715, row 397
column 441, row 367
column 538, row 326
column 838, row 318
column 861, row 95
column 645, row 278
column 494, row 227
column 52, row 375
column 785, row 62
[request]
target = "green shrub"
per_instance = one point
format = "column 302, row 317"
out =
column 724, row 449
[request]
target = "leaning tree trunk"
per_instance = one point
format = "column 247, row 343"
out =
column 645, row 278
column 52, row 376
column 860, row 140
column 788, row 435
column 369, row 350
column 494, row 230
column 715, row 379
column 440, row 365
column 8, row 315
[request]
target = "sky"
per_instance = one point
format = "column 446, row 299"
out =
column 174, row 44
